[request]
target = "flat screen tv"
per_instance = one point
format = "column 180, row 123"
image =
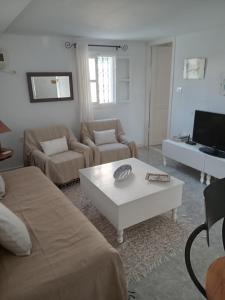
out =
column 209, row 130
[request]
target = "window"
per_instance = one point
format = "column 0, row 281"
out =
column 102, row 83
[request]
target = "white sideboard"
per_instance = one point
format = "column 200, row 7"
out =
column 191, row 156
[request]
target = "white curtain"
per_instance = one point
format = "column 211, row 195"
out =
column 84, row 93
column 148, row 93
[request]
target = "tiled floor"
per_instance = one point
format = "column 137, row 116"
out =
column 170, row 280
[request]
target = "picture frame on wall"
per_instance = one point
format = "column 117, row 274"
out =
column 50, row 86
column 194, row 68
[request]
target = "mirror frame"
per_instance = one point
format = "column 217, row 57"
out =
column 46, row 74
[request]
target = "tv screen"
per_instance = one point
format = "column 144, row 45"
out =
column 209, row 129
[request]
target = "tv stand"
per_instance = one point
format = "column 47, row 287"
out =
column 208, row 165
column 212, row 151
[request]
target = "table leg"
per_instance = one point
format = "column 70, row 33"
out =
column 174, row 214
column 120, row 236
column 164, row 161
column 202, row 177
column 208, row 179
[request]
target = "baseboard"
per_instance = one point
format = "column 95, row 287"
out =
column 140, row 145
column 156, row 149
column 152, row 147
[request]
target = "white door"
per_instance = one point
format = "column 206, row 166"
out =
column 160, row 93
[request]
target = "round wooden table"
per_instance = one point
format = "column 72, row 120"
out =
column 5, row 153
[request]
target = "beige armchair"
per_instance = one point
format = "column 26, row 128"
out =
column 123, row 149
column 61, row 167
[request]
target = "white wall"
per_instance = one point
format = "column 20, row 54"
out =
column 198, row 94
column 131, row 114
column 41, row 53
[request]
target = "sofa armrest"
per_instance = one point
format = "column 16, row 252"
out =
column 85, row 150
column 131, row 144
column 95, row 150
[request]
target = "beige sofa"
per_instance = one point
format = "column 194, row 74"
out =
column 70, row 259
column 123, row 149
column 62, row 167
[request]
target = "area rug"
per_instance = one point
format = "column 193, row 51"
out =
column 145, row 245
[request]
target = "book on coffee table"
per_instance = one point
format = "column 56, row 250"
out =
column 157, row 177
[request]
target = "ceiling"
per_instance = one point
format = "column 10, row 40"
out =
column 9, row 10
column 113, row 19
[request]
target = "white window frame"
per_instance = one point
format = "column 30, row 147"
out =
column 127, row 80
column 95, row 55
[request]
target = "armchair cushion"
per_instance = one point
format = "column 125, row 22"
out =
column 65, row 166
column 66, row 156
column 113, row 152
column 55, row 146
column 105, row 137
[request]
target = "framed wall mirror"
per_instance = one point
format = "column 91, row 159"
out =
column 50, row 86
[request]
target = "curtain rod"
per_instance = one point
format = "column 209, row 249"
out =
column 124, row 47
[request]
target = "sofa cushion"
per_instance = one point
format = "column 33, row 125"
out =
column 114, row 152
column 2, row 187
column 54, row 146
column 105, row 137
column 13, row 233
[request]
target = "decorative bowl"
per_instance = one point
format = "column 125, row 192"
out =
column 122, row 172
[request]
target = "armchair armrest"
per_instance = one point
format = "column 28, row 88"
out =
column 131, row 144
column 40, row 154
column 39, row 159
column 89, row 143
column 95, row 150
column 81, row 148
column 124, row 139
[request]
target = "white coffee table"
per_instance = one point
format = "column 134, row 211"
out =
column 133, row 200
